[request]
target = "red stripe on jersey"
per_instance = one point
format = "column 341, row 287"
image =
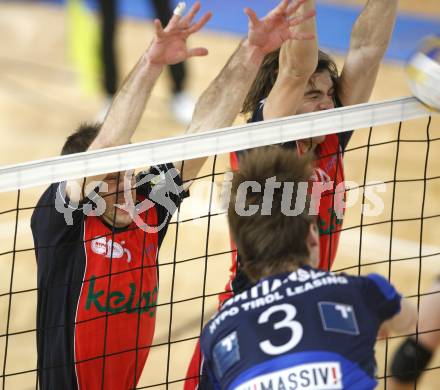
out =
column 128, row 297
column 329, row 168
column 228, row 293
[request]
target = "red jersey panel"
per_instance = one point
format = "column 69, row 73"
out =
column 123, row 303
column 329, row 171
column 329, row 174
column 97, row 285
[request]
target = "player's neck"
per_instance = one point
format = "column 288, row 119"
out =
column 287, row 267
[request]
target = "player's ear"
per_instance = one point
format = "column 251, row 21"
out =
column 313, row 244
column 313, row 238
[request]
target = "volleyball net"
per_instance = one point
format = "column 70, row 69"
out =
column 392, row 216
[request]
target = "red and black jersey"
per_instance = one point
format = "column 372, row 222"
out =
column 329, row 169
column 98, row 286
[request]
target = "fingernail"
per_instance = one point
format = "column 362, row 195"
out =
column 180, row 8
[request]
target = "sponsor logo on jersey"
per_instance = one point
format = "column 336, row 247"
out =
column 312, row 376
column 338, row 317
column 110, row 248
column 121, row 301
column 226, row 353
column 329, row 222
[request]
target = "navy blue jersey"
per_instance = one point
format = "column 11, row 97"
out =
column 308, row 329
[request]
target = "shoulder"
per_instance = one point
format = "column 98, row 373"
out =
column 55, row 216
column 382, row 284
column 378, row 293
column 44, row 205
column 53, row 199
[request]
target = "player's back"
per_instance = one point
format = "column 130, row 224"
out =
column 303, row 330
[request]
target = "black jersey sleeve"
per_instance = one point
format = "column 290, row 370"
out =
column 56, row 225
column 344, row 139
column 381, row 296
column 257, row 115
column 162, row 185
column 56, row 215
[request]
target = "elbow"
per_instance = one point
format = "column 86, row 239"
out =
column 369, row 53
column 412, row 322
column 407, row 319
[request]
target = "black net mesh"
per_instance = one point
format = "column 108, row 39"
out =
column 394, row 176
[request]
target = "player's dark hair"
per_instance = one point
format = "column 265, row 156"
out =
column 268, row 73
column 270, row 244
column 81, row 139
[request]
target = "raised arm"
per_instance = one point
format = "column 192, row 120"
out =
column 219, row 105
column 370, row 37
column 167, row 47
column 297, row 62
column 402, row 321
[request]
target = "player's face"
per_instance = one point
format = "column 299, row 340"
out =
column 319, row 96
column 313, row 245
column 121, row 192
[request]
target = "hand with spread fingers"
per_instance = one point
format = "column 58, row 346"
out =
column 169, row 45
column 269, row 33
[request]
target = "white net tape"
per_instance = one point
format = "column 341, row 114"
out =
column 218, row 141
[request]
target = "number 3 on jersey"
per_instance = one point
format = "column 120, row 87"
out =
column 287, row 322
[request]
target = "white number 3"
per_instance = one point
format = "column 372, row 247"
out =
column 296, row 328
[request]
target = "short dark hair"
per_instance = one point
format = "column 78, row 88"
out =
column 267, row 75
column 81, row 139
column 267, row 243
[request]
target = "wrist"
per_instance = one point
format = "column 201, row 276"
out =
column 152, row 57
column 253, row 54
column 293, row 77
column 151, row 63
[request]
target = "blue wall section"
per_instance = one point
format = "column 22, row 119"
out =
column 334, row 22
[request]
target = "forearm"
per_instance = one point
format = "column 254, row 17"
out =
column 405, row 320
column 286, row 96
column 128, row 105
column 123, row 117
column 429, row 318
column 298, row 58
column 221, row 102
column 374, row 26
column 369, row 40
column 297, row 63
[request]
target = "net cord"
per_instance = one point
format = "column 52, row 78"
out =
column 190, row 146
